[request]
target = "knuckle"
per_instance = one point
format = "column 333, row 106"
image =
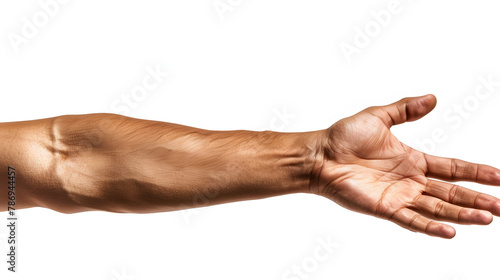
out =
column 463, row 216
column 453, row 169
column 412, row 220
column 452, row 195
column 438, row 209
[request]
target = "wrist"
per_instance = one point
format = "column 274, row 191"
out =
column 318, row 141
column 296, row 159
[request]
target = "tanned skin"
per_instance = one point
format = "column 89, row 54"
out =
column 115, row 163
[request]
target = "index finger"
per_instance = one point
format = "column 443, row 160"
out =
column 451, row 169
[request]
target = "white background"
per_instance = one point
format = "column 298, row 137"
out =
column 240, row 69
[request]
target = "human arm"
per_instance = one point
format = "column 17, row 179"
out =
column 119, row 164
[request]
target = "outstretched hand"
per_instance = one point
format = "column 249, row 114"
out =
column 365, row 168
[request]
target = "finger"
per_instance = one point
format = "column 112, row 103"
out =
column 405, row 110
column 413, row 221
column 451, row 169
column 441, row 210
column 458, row 195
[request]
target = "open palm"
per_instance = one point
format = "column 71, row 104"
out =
column 365, row 168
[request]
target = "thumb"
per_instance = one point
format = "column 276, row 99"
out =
column 407, row 109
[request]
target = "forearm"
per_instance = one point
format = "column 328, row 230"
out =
column 120, row 164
